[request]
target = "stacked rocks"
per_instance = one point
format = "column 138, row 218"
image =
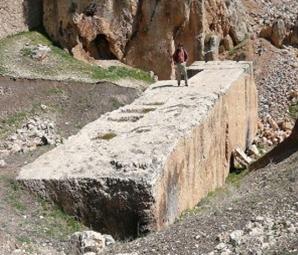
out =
column 272, row 133
column 35, row 132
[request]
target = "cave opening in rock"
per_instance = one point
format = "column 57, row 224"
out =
column 100, row 48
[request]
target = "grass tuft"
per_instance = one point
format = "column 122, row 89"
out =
column 13, row 197
column 55, row 91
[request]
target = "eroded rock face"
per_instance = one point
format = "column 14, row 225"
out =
column 19, row 15
column 142, row 33
column 137, row 168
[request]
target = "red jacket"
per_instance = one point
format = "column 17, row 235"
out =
column 180, row 56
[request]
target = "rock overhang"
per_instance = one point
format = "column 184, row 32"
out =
column 141, row 143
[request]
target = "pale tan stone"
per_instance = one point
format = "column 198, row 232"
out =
column 139, row 167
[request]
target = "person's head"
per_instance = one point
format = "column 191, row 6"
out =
column 180, row 46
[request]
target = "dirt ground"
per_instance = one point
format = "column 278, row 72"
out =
column 29, row 225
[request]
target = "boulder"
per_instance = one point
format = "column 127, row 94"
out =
column 278, row 33
column 88, row 242
column 227, row 42
column 2, row 163
column 239, row 32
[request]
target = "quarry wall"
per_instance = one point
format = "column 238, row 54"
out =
column 19, row 15
column 144, row 33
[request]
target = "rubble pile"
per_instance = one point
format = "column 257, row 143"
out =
column 271, row 132
column 35, row 132
column 258, row 235
column 270, row 11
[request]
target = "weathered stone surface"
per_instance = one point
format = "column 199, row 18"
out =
column 136, row 169
column 141, row 33
column 19, row 15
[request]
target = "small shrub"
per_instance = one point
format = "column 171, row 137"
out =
column 26, row 52
column 293, row 109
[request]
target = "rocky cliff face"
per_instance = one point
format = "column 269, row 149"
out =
column 143, row 33
column 19, row 15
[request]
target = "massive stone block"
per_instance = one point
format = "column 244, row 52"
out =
column 137, row 168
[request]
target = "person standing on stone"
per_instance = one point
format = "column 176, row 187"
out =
column 180, row 58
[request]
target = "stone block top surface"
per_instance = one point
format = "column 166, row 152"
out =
column 135, row 140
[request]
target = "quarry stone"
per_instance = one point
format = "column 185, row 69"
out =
column 136, row 169
column 89, row 242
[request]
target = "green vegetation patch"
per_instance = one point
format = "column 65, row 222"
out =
column 13, row 197
column 16, row 60
column 26, row 52
column 235, row 178
column 23, row 239
column 107, row 136
column 11, row 123
column 293, row 109
column 56, row 223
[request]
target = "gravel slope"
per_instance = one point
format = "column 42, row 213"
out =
column 263, row 208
